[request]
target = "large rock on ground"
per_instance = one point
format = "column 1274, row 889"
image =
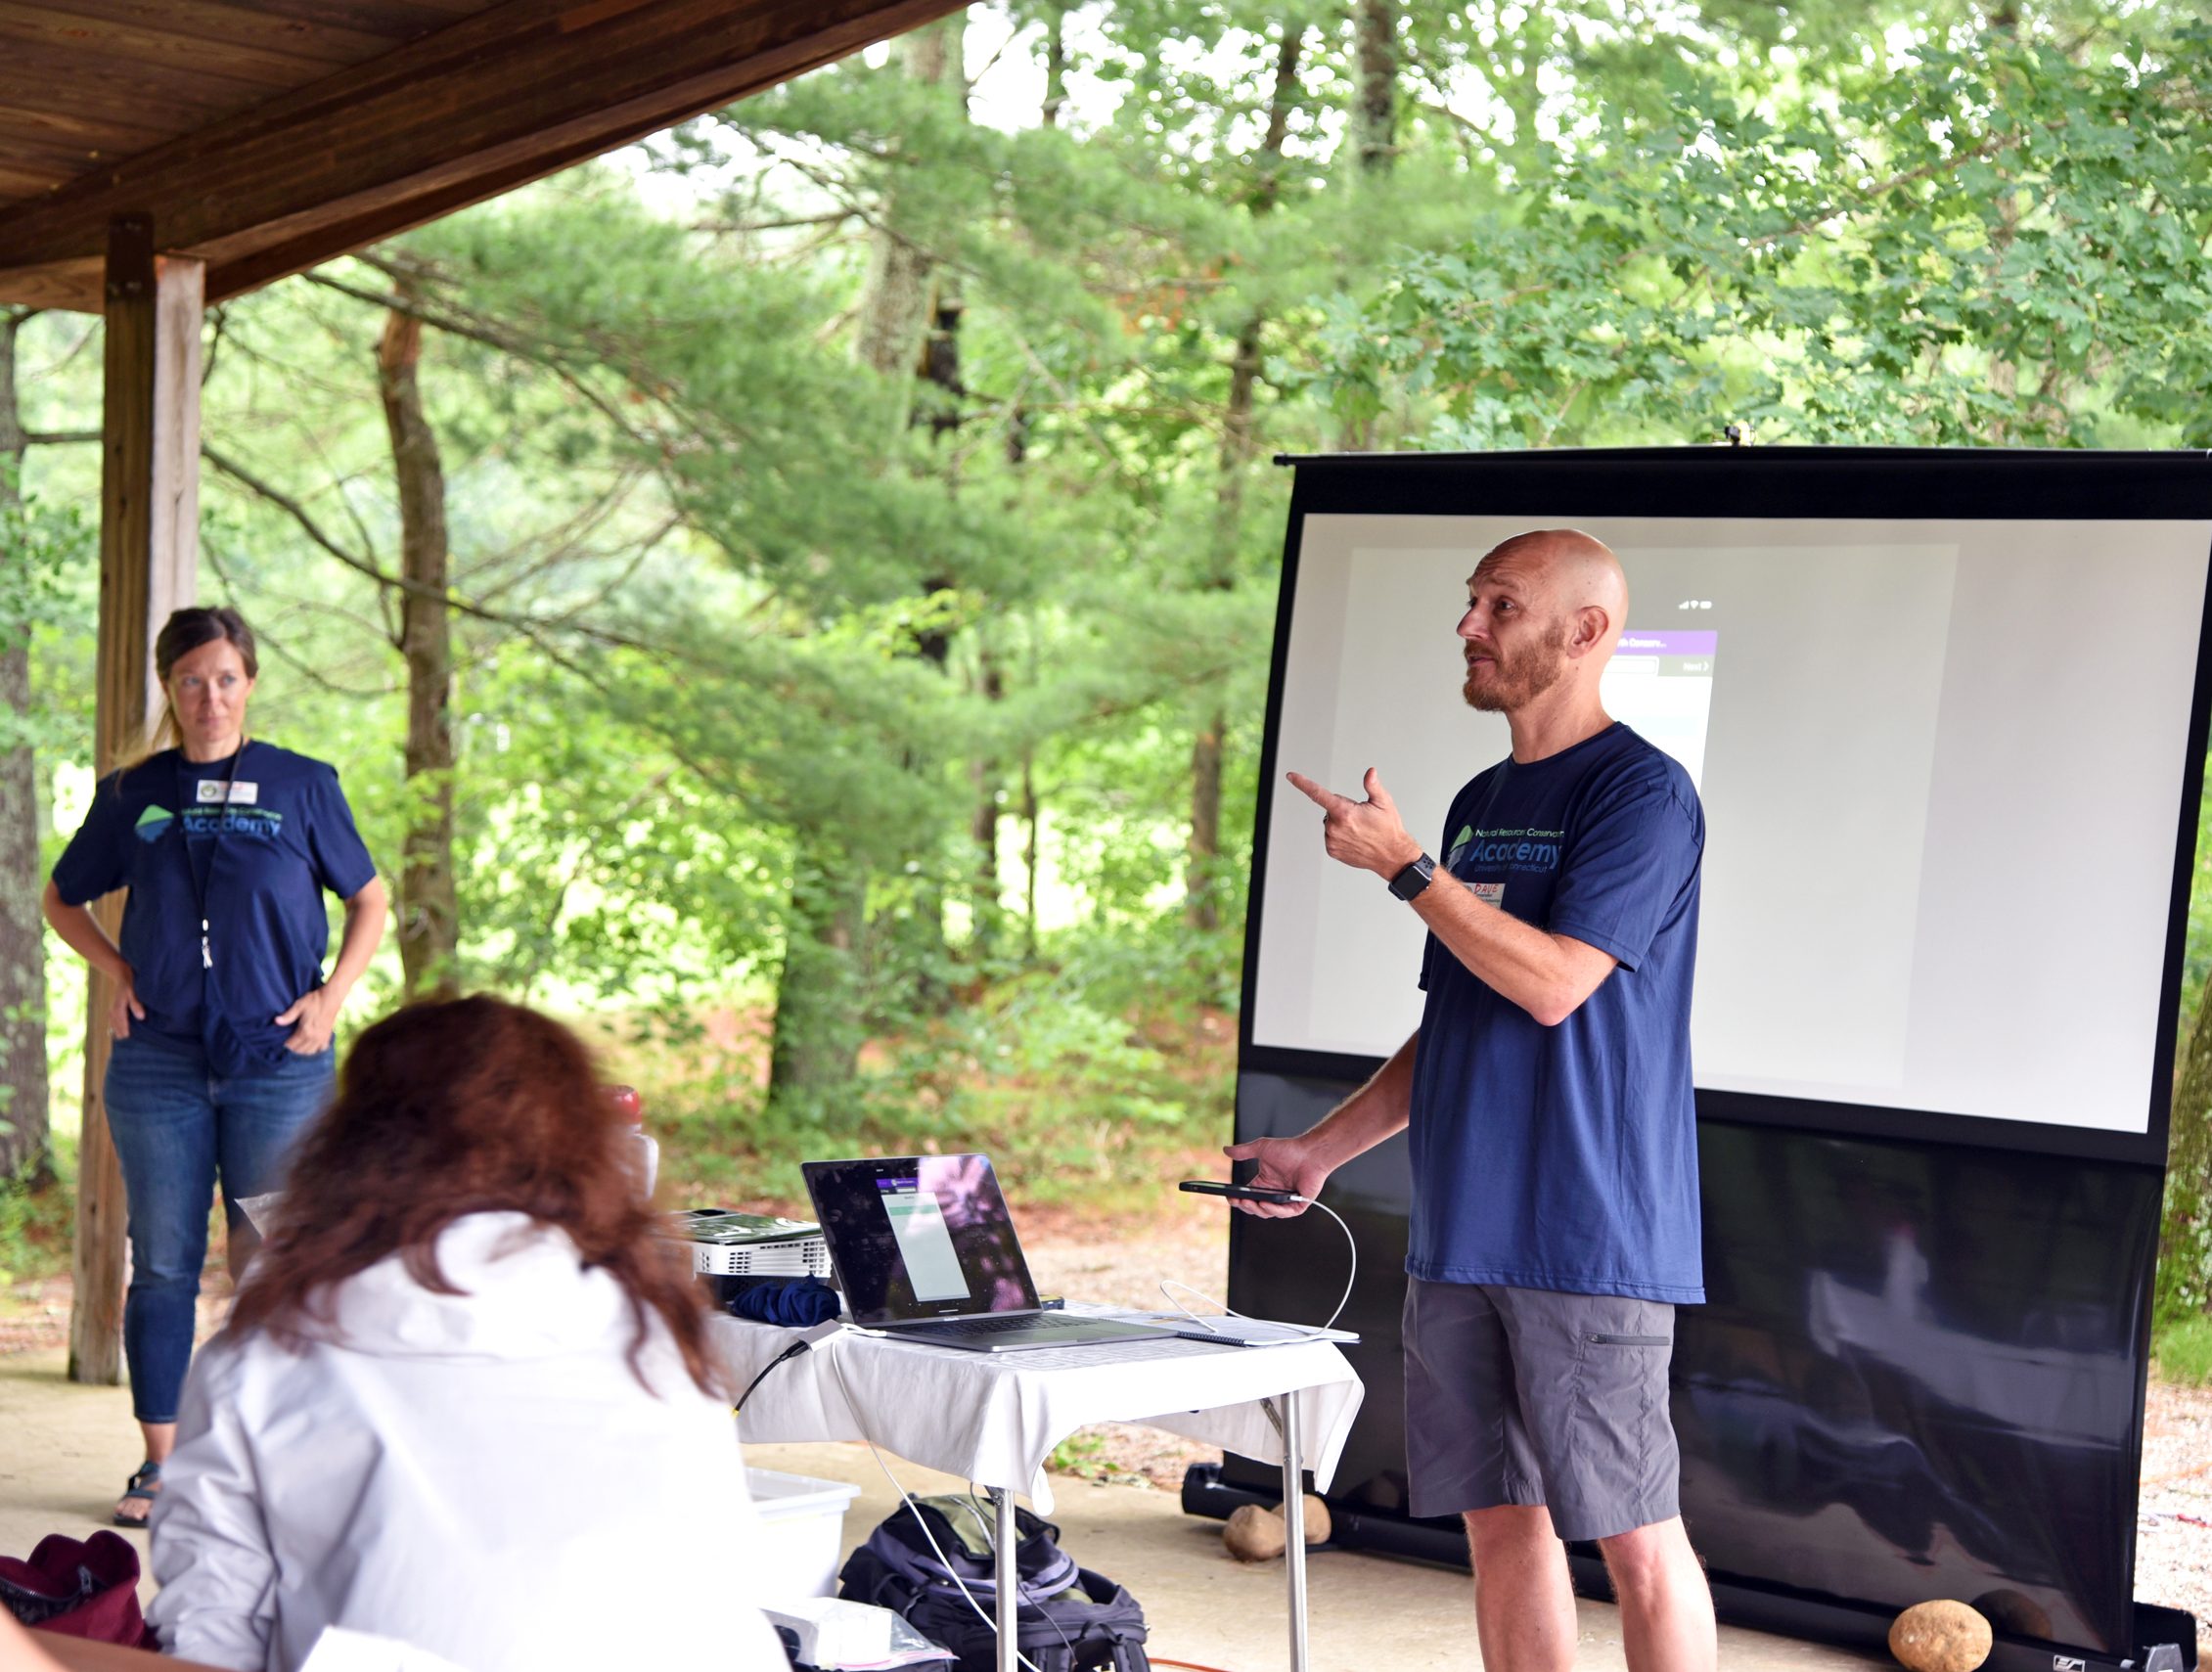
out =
column 1254, row 1534
column 1940, row 1637
column 1317, row 1520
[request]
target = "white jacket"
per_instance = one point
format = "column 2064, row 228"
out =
column 481, row 1474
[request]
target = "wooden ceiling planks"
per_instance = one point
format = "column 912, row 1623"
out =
column 85, row 81
column 106, row 132
column 501, row 96
column 221, row 23
column 99, row 33
column 404, row 18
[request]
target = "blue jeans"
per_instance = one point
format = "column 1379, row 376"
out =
column 176, row 1125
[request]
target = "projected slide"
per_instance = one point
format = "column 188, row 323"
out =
column 1937, row 875
column 1661, row 683
column 918, row 1222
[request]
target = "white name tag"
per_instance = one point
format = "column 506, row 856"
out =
column 242, row 794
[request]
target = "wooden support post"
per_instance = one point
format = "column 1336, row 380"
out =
column 149, row 566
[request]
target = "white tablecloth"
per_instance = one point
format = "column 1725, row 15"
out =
column 994, row 1417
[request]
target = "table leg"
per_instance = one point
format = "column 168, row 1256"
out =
column 1006, row 1534
column 1294, row 1526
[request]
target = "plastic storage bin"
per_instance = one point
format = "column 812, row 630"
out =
column 805, row 1522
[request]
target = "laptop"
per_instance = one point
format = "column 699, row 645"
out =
column 924, row 1252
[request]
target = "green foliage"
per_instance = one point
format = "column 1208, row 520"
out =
column 1992, row 242
column 2183, row 1289
column 40, row 543
column 2183, row 1349
column 37, row 1216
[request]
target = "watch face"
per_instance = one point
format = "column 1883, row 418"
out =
column 1413, row 878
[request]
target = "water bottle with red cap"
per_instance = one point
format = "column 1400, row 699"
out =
column 630, row 1107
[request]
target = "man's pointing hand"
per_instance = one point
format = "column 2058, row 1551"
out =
column 1367, row 834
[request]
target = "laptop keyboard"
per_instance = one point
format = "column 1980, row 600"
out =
column 990, row 1323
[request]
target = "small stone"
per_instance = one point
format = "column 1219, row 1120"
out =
column 1940, row 1637
column 1254, row 1534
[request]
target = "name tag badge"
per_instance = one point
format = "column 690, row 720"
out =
column 242, row 794
column 1489, row 893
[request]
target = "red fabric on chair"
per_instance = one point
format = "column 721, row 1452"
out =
column 84, row 1588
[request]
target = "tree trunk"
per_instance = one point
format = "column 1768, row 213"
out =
column 1029, row 814
column 22, row 931
column 1374, row 106
column 2185, row 1235
column 1523, row 93
column 815, row 1045
column 894, row 301
column 429, row 902
column 1055, row 69
column 1201, row 897
column 821, row 990
column 983, row 823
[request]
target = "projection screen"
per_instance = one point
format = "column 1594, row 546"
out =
column 1942, row 760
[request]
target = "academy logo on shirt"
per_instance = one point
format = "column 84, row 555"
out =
column 1509, row 850
column 152, row 822
column 259, row 823
column 1459, row 846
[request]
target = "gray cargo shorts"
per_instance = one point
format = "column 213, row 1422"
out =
column 1524, row 1396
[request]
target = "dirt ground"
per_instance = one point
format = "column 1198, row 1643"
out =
column 1122, row 1261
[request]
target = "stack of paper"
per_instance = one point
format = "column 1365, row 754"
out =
column 752, row 1245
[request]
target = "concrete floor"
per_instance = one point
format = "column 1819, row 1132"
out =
column 65, row 1450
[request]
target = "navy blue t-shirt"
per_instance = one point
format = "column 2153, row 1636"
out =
column 1567, row 1157
column 284, row 835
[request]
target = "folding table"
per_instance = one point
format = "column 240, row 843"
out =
column 993, row 1418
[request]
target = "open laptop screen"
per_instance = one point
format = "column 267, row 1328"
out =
column 917, row 1236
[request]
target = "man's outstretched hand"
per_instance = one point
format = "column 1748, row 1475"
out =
column 1367, row 834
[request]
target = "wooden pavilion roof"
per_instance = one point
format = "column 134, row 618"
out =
column 264, row 136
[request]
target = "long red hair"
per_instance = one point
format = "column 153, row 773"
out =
column 459, row 1106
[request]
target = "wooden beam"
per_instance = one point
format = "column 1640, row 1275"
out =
column 149, row 566
column 245, row 264
column 74, row 285
column 24, row 176
column 515, row 92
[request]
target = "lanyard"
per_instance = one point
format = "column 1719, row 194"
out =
column 199, row 876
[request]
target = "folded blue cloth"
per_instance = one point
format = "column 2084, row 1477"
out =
column 796, row 1305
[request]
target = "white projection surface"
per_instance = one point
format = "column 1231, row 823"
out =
column 1940, row 762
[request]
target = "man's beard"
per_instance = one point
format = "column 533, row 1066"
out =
column 1519, row 679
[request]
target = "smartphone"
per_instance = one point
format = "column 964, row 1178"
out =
column 1239, row 1192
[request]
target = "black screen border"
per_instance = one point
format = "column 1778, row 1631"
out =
column 1862, row 483
column 837, row 1188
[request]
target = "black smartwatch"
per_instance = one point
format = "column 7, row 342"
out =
column 1409, row 882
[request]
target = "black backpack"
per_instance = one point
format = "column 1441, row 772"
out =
column 1070, row 1619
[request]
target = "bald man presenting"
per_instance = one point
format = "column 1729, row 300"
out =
column 1553, row 1142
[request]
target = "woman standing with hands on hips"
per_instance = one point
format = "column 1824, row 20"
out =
column 222, row 1017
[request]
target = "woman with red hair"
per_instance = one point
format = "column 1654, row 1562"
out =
column 464, row 1398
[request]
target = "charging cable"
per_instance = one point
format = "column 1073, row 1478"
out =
column 785, row 1357
column 907, row 1498
column 1167, row 1286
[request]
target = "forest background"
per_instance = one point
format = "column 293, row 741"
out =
column 795, row 597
